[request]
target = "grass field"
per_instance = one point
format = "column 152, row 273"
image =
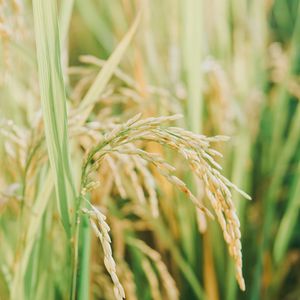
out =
column 149, row 149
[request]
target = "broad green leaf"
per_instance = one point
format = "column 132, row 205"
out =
column 53, row 101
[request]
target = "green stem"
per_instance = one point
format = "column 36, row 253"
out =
column 84, row 277
column 74, row 246
column 288, row 221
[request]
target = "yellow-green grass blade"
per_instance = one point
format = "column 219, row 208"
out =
column 96, row 24
column 288, row 222
column 65, row 19
column 280, row 111
column 53, row 101
column 192, row 58
column 33, row 227
column 106, row 72
column 192, row 47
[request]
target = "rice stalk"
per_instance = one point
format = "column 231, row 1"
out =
column 195, row 149
column 53, row 101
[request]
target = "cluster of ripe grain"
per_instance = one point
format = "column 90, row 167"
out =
column 195, row 149
column 101, row 229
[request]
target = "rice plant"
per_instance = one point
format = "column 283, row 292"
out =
column 133, row 134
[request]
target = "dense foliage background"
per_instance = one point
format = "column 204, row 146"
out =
column 231, row 67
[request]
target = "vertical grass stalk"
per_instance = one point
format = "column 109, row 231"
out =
column 53, row 100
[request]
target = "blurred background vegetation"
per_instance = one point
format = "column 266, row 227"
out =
column 231, row 67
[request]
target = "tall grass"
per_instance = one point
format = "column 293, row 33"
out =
column 104, row 193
